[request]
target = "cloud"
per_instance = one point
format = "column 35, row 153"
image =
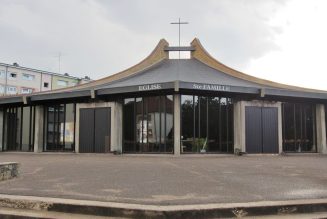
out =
column 301, row 57
column 98, row 38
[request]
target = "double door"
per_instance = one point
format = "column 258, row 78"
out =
column 261, row 127
column 94, row 130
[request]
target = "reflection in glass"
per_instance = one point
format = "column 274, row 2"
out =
column 69, row 126
column 195, row 143
column 60, row 127
column 153, row 123
column 298, row 127
column 139, row 124
column 207, row 124
column 213, row 124
column 187, row 124
column 18, row 126
column 167, row 144
column 230, row 124
column 128, row 124
column 153, row 126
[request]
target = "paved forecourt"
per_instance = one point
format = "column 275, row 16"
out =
column 168, row 180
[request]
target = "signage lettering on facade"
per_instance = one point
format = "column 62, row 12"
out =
column 213, row 87
column 150, row 87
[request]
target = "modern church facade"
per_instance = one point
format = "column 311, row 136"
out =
column 168, row 106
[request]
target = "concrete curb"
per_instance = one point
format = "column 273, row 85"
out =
column 158, row 211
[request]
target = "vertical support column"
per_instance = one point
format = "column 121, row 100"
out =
column 242, row 128
column 117, row 127
column 177, row 124
column 280, row 128
column 77, row 127
column 1, row 129
column 238, row 131
column 321, row 129
column 38, row 135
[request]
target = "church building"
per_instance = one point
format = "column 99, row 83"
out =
column 168, row 106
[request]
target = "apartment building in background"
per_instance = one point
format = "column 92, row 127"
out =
column 15, row 79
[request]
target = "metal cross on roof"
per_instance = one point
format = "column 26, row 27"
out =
column 179, row 31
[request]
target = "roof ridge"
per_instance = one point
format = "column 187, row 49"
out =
column 203, row 56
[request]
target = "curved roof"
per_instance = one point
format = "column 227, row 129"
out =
column 201, row 71
column 186, row 70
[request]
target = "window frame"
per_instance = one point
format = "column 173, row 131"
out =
column 26, row 88
column 62, row 83
column 28, row 77
column 11, row 74
column 9, row 89
column 138, row 139
column 198, row 139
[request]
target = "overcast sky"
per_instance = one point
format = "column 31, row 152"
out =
column 280, row 40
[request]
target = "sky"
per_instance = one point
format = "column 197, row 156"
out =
column 279, row 40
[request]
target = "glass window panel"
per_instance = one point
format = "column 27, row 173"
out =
column 298, row 128
column 288, row 127
column 224, row 124
column 50, row 127
column 308, row 129
column 196, row 147
column 145, row 131
column 148, row 124
column 129, row 125
column 69, row 127
column 213, row 124
column 230, row 124
column 153, row 123
column 202, row 140
column 60, row 127
column 139, row 124
column 61, row 124
column 162, row 121
column 169, row 124
column 187, row 123
column 18, row 128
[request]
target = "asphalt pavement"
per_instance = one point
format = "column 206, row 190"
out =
column 168, row 180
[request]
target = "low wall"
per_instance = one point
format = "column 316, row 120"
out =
column 8, row 170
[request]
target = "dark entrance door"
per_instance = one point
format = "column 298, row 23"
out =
column 94, row 131
column 86, row 131
column 261, row 129
column 12, row 131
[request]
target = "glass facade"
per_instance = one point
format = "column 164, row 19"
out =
column 59, row 127
column 206, row 124
column 148, row 124
column 18, row 128
column 299, row 128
